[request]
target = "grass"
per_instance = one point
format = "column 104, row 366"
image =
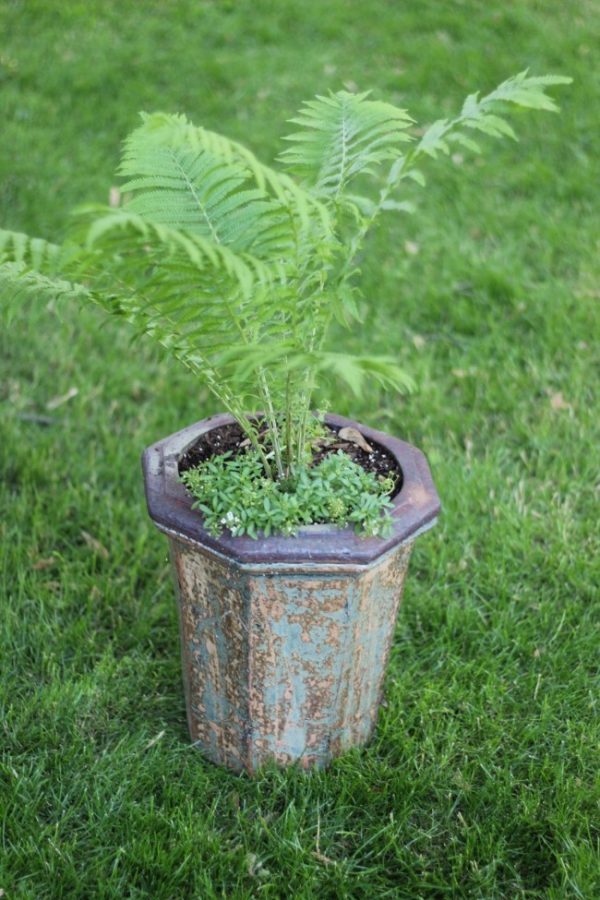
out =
column 482, row 778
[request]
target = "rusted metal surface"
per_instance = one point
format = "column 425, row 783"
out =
column 285, row 640
column 285, row 667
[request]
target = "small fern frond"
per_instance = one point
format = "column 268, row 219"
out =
column 284, row 188
column 355, row 371
column 191, row 178
column 126, row 234
column 482, row 114
column 528, row 91
column 17, row 281
column 180, row 183
column 342, row 135
column 34, row 252
column 243, row 363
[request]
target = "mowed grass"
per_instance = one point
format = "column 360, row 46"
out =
column 481, row 780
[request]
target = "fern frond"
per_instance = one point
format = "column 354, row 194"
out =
column 205, row 291
column 284, row 188
column 35, row 252
column 342, row 135
column 528, row 91
column 188, row 177
column 126, row 234
column 179, row 183
column 17, row 280
column 354, row 371
column 482, row 114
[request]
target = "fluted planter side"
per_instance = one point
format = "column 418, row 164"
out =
column 285, row 667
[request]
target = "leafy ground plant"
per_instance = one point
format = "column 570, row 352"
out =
column 234, row 493
column 238, row 269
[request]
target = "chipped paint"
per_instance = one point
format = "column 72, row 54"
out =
column 288, row 666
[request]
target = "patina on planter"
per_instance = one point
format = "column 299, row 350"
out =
column 284, row 640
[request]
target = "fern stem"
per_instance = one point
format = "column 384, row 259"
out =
column 289, row 428
column 271, row 417
column 303, row 414
column 228, row 400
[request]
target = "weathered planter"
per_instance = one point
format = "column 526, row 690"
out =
column 284, row 639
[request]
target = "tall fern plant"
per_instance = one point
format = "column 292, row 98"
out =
column 238, row 269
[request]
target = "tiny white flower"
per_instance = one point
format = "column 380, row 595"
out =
column 230, row 519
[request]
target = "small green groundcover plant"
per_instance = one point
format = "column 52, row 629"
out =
column 237, row 269
column 234, row 493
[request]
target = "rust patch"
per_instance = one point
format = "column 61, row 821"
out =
column 286, row 667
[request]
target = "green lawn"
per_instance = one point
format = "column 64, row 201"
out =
column 482, row 778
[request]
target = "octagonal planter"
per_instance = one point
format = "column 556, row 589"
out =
column 284, row 640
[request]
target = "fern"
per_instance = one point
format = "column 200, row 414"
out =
column 180, row 180
column 235, row 268
column 16, row 247
column 483, row 114
column 343, row 135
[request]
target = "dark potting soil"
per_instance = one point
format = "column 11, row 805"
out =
column 231, row 438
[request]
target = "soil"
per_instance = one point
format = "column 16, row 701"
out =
column 231, row 438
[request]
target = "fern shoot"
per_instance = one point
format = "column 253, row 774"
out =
column 237, row 268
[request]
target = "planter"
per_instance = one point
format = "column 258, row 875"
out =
column 284, row 640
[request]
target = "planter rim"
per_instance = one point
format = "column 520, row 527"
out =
column 415, row 508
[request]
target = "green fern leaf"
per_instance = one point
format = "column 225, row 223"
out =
column 343, row 135
column 243, row 362
column 128, row 233
column 192, row 178
column 481, row 114
column 527, row 91
column 180, row 182
column 35, row 252
column 355, row 370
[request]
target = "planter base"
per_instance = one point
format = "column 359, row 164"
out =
column 284, row 665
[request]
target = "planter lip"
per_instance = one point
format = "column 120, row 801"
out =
column 415, row 507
